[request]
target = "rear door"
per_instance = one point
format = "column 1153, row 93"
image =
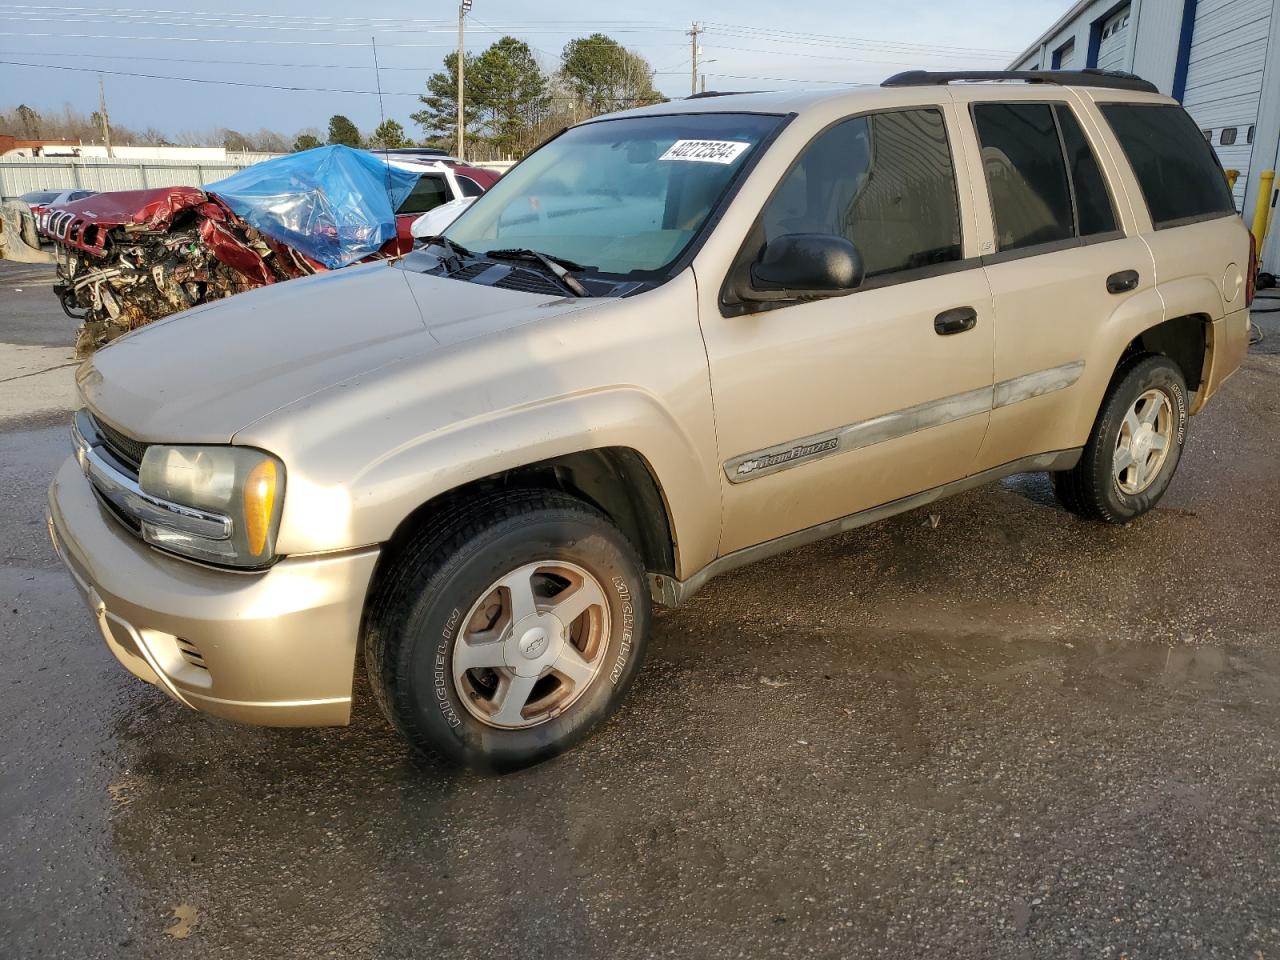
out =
column 1060, row 261
column 1200, row 244
column 828, row 407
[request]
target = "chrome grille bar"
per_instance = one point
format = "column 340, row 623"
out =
column 124, row 495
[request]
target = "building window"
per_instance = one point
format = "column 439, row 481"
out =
column 1208, row 135
column 1248, row 137
column 1227, row 137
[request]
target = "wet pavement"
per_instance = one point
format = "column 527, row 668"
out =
column 1012, row 734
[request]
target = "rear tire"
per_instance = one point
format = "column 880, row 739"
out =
column 504, row 634
column 1136, row 444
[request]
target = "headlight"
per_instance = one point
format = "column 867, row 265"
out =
column 242, row 484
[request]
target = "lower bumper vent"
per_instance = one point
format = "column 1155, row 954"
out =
column 191, row 653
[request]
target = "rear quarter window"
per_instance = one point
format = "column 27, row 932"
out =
column 429, row 192
column 1178, row 172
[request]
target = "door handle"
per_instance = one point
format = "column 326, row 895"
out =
column 955, row 320
column 1122, row 282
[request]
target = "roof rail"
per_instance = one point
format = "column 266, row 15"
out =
column 1112, row 79
column 706, row 94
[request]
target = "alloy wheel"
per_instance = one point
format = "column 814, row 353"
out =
column 1146, row 434
column 531, row 645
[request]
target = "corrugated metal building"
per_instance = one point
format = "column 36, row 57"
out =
column 1221, row 58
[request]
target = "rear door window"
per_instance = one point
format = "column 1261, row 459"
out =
column 1026, row 174
column 428, row 193
column 1180, row 176
column 1094, row 211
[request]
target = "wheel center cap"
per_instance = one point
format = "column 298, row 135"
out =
column 534, row 643
column 1142, row 442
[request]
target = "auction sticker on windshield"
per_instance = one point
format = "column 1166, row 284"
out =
column 705, row 151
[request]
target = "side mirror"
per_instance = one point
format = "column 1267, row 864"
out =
column 797, row 266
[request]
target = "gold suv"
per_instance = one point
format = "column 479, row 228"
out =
column 670, row 342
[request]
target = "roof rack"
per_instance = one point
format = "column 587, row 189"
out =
column 705, row 94
column 1112, row 79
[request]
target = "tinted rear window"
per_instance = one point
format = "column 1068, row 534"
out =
column 1026, row 173
column 1093, row 202
column 1178, row 172
column 428, row 194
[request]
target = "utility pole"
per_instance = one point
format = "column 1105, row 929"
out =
column 463, row 8
column 102, row 114
column 693, row 73
column 704, row 84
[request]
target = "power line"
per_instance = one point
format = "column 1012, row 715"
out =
column 268, row 86
column 236, row 63
column 277, row 43
column 309, row 18
column 302, row 27
column 842, row 57
column 816, row 39
column 225, row 83
column 813, row 83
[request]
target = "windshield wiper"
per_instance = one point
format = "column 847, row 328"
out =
column 456, row 250
column 558, row 267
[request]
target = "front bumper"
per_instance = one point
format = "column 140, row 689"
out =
column 276, row 647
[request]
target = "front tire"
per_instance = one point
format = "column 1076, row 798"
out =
column 1136, row 444
column 505, row 634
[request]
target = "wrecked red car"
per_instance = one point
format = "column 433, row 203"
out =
column 128, row 258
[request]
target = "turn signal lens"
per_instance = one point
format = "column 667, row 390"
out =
column 259, row 505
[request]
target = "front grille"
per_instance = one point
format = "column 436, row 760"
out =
column 126, row 449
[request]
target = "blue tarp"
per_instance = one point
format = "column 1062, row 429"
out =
column 335, row 204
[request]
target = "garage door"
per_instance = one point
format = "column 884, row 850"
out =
column 1115, row 41
column 1224, row 77
column 1064, row 57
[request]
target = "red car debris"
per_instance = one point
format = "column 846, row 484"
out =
column 128, row 258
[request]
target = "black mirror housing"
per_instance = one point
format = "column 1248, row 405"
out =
column 798, row 266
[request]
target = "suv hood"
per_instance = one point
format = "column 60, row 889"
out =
column 203, row 375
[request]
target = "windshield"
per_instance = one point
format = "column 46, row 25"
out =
column 39, row 196
column 616, row 196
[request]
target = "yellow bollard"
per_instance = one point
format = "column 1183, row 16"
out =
column 1262, row 210
column 1232, row 176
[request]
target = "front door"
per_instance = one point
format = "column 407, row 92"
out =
column 828, row 407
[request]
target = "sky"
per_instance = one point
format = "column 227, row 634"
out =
column 323, row 50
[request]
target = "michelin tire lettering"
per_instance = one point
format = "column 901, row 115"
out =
column 440, row 672
column 628, row 626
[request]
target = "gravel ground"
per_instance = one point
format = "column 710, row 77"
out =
column 1012, row 735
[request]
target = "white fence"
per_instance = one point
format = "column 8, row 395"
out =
column 19, row 175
